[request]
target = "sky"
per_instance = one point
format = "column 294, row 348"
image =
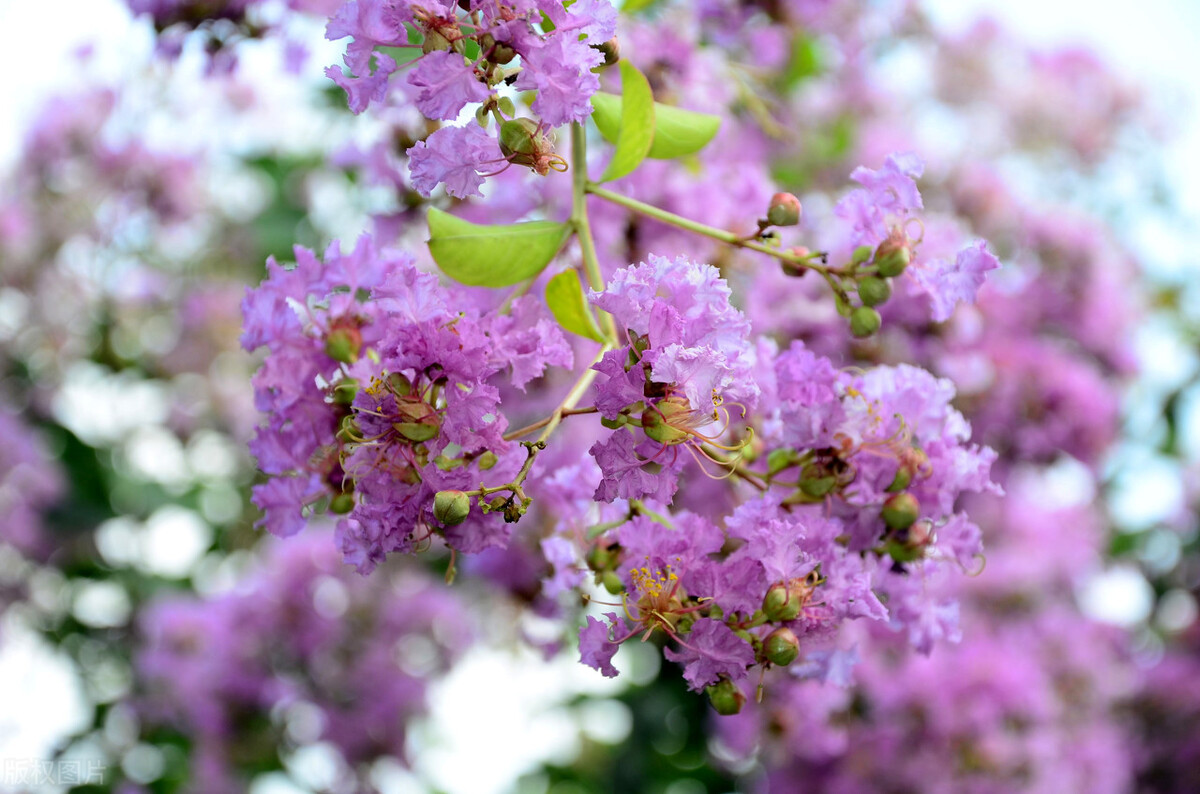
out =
column 1153, row 42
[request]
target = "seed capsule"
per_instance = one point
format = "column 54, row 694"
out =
column 864, row 322
column 725, row 697
column 451, row 507
column 901, row 511
column 781, row 646
column 874, row 291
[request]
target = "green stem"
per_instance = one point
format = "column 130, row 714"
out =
column 579, row 219
column 713, row 232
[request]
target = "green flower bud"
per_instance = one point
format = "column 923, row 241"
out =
column 341, row 503
column 784, row 210
column 901, row 511
column 864, row 322
column 781, row 646
column 861, row 254
column 599, row 558
column 434, row 41
column 892, row 256
column 780, row 459
column 612, row 583
column 725, row 697
column 815, row 482
column 901, row 481
column 502, row 54
column 780, row 603
column 344, row 391
column 487, row 460
column 343, row 344
column 874, row 291
column 451, row 507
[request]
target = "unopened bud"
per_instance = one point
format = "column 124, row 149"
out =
column 861, row 254
column 599, row 558
column 781, row 646
column 781, row 603
column 874, row 291
column 784, row 210
column 345, row 391
column 611, row 50
column 901, row 511
column 892, row 256
column 864, row 322
column 451, row 507
column 487, row 460
column 341, row 503
column 612, row 583
column 343, row 344
column 725, row 697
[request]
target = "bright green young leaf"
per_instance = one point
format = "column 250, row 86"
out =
column 677, row 132
column 492, row 256
column 636, row 133
column 564, row 296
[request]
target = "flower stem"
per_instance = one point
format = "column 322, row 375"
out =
column 650, row 211
column 579, row 219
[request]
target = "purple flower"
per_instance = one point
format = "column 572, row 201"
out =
column 455, row 156
column 446, row 84
column 950, row 284
column 595, row 648
column 712, row 650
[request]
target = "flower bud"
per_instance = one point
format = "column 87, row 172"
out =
column 451, row 507
column 487, row 460
column 781, row 646
column 874, row 291
column 612, row 583
column 781, row 603
column 599, row 558
column 343, row 344
column 892, row 256
column 784, row 210
column 524, row 142
column 816, row 482
column 861, row 254
column 864, row 322
column 901, row 511
column 341, row 503
column 611, row 50
column 344, row 391
column 725, row 697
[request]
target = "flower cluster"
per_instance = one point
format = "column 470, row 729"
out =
column 333, row 656
column 465, row 54
column 379, row 396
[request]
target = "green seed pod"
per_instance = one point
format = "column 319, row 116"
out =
column 660, row 422
column 780, row 604
column 784, row 210
column 901, row 511
column 874, row 291
column 341, row 503
column 864, row 322
column 725, row 697
column 892, row 257
column 343, row 345
column 781, row 646
column 451, row 507
column 416, row 431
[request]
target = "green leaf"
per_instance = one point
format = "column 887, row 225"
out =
column 677, row 132
column 564, row 296
column 636, row 134
column 492, row 256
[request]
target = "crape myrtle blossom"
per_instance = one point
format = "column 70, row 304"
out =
column 378, row 396
column 468, row 51
column 303, row 633
column 856, row 512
